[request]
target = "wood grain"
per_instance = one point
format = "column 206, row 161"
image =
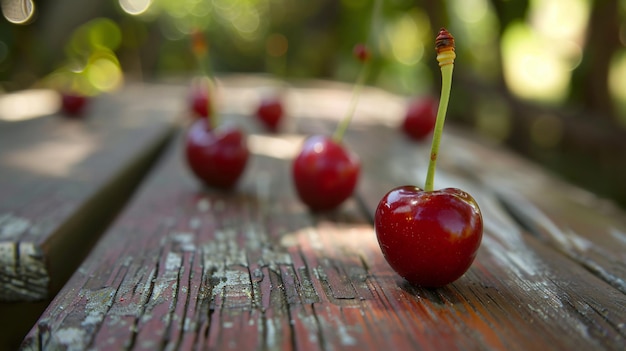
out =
column 62, row 179
column 186, row 267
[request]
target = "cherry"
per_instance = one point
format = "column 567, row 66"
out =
column 361, row 52
column 270, row 112
column 430, row 238
column 201, row 90
column 216, row 153
column 325, row 173
column 199, row 98
column 420, row 117
column 217, row 156
column 73, row 104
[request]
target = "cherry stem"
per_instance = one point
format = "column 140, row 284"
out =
column 214, row 120
column 201, row 52
column 360, row 82
column 356, row 92
column 445, row 57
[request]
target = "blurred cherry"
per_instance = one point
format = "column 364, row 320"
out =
column 325, row 173
column 200, row 97
column 420, row 117
column 73, row 104
column 217, row 156
column 270, row 112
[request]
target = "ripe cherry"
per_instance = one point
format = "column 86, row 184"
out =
column 420, row 117
column 199, row 97
column 73, row 104
column 270, row 112
column 361, row 52
column 325, row 173
column 430, row 238
column 217, row 156
column 216, row 153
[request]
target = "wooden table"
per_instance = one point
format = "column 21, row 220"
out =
column 188, row 267
column 62, row 181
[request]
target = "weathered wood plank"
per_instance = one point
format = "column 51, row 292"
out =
column 55, row 172
column 191, row 268
column 535, row 283
column 588, row 229
column 61, row 182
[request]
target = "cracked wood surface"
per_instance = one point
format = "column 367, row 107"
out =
column 186, row 267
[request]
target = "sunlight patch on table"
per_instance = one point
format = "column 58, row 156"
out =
column 283, row 147
column 28, row 104
column 53, row 158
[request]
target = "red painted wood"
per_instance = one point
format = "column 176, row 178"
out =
column 62, row 181
column 186, row 267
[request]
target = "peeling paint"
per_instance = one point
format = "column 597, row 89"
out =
column 99, row 300
column 72, row 339
column 232, row 278
column 271, row 334
column 618, row 234
column 173, row 261
column 203, row 205
column 93, row 318
column 23, row 272
column 195, row 223
column 345, row 338
column 11, row 227
column 185, row 240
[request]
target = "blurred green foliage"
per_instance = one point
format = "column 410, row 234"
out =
column 521, row 65
column 154, row 41
column 151, row 40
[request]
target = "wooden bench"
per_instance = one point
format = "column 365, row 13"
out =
column 187, row 267
column 62, row 180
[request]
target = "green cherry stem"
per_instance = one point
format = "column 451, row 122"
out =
column 444, row 44
column 200, row 50
column 214, row 119
column 356, row 92
column 363, row 54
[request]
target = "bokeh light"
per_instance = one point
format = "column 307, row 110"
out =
column 470, row 11
column 402, row 44
column 475, row 25
column 18, row 11
column 91, row 66
column 103, row 72
column 135, row 7
column 531, row 67
column 277, row 45
column 617, row 72
column 540, row 54
column 405, row 39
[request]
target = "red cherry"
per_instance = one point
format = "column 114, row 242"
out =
column 217, row 157
column 73, row 104
column 199, row 99
column 325, row 173
column 270, row 112
column 420, row 118
column 428, row 238
column 361, row 52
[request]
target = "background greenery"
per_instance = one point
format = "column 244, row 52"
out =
column 544, row 77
